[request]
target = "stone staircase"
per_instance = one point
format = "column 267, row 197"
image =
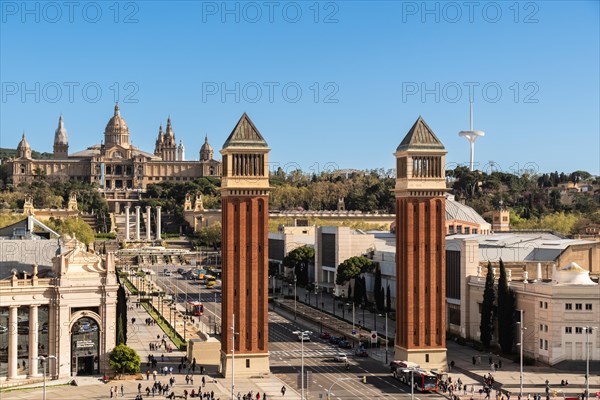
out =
column 121, row 222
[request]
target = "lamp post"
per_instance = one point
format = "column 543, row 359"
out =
column 301, row 335
column 295, row 297
column 588, row 329
column 343, row 305
column 522, row 329
column 43, row 360
column 233, row 357
column 386, row 337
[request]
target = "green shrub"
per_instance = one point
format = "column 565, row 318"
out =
column 124, row 360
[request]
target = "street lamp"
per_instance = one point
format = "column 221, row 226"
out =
column 295, row 297
column 522, row 329
column 43, row 360
column 233, row 333
column 301, row 335
column 588, row 329
column 386, row 337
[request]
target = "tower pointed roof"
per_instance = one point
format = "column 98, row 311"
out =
column 245, row 134
column 23, row 144
column 60, row 135
column 420, row 137
column 169, row 131
column 160, row 134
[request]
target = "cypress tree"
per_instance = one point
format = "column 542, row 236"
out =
column 121, row 316
column 506, row 312
column 377, row 289
column 487, row 308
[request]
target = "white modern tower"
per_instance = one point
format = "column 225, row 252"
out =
column 471, row 135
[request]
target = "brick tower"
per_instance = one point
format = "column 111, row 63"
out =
column 245, row 213
column 421, row 248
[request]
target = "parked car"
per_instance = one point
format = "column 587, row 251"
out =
column 166, row 272
column 361, row 352
column 340, row 357
column 180, row 270
column 325, row 335
column 344, row 344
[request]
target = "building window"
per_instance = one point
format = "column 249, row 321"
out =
column 451, row 229
column 545, row 328
column 426, row 358
column 541, row 304
column 546, row 305
column 568, row 329
column 541, row 328
column 578, row 306
column 545, row 345
column 578, row 329
column 247, row 363
column 459, row 229
column 467, row 230
column 568, row 306
column 588, row 307
column 542, row 344
column 474, row 231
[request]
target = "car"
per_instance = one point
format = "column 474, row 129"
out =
column 180, row 270
column 325, row 335
column 303, row 337
column 361, row 352
column 335, row 339
column 210, row 286
column 167, row 272
column 344, row 344
column 3, row 329
column 341, row 357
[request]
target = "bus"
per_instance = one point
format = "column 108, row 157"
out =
column 194, row 308
column 424, row 381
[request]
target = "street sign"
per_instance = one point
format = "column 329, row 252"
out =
column 373, row 337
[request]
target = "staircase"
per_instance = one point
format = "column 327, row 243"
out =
column 121, row 223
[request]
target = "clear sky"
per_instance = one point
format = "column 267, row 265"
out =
column 329, row 84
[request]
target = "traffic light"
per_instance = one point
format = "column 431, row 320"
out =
column 364, row 379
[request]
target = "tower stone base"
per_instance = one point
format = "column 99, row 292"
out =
column 437, row 357
column 250, row 364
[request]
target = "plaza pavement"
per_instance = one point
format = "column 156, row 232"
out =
column 140, row 335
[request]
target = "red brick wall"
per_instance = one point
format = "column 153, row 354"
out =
column 420, row 272
column 245, row 272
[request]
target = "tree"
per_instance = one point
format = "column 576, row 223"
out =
column 300, row 259
column 352, row 267
column 73, row 226
column 210, row 236
column 124, row 360
column 378, row 290
column 121, row 316
column 506, row 312
column 486, row 326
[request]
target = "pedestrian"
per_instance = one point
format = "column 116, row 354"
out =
column 499, row 363
column 452, row 365
column 111, row 392
column 283, row 390
column 122, row 390
column 139, row 388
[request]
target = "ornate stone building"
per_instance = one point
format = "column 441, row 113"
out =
column 115, row 165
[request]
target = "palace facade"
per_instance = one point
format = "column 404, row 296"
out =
column 115, row 165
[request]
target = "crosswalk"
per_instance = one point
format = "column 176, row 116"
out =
column 319, row 353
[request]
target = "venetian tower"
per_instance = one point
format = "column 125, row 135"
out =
column 421, row 248
column 244, row 218
column 61, row 142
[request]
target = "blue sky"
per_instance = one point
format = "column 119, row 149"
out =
column 328, row 84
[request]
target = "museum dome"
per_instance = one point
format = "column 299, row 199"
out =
column 116, row 130
column 206, row 151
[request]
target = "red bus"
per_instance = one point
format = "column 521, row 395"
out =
column 424, row 381
column 194, row 308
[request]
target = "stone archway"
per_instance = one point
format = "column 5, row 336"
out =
column 86, row 342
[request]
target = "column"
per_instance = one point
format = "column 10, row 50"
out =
column 127, row 223
column 158, row 224
column 12, row 342
column 137, row 222
column 33, row 340
column 148, row 223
